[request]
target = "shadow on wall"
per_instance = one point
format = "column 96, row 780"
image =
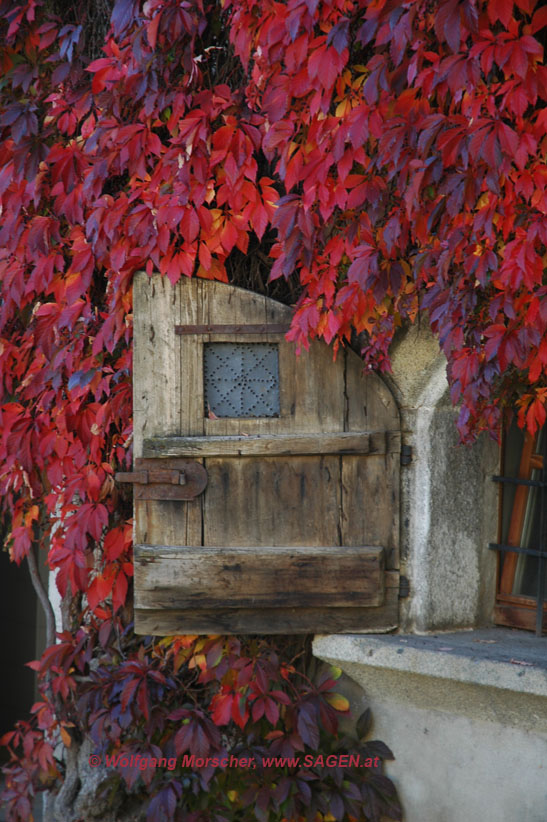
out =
column 18, row 617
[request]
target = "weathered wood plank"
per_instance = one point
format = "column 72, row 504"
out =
column 317, row 388
column 194, row 308
column 345, row 442
column 185, row 577
column 370, row 488
column 167, row 392
column 272, row 501
column 193, row 296
column 370, row 404
column 157, row 388
column 160, row 521
column 271, row 620
column 370, row 503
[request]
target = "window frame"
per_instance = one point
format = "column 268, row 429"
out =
column 517, row 610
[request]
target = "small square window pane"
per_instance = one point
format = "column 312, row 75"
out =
column 241, row 379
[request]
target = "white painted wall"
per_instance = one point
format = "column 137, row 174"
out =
column 464, row 714
column 456, row 769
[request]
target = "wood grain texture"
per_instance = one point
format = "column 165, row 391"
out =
column 370, row 404
column 272, row 501
column 161, row 521
column 167, row 392
column 371, row 486
column 370, row 503
column 286, row 577
column 381, row 619
column 345, row 442
column 157, row 386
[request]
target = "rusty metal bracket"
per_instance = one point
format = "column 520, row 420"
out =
column 165, row 478
column 264, row 328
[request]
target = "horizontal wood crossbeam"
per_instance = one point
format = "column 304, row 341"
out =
column 271, row 620
column 346, row 442
column 185, row 577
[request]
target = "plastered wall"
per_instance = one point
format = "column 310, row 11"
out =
column 449, row 502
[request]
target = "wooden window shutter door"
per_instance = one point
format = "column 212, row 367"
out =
column 266, row 484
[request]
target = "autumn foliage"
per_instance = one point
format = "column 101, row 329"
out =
column 388, row 157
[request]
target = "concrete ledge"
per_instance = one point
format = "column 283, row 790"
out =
column 465, row 715
column 495, row 658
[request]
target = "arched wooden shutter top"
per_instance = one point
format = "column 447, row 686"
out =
column 266, row 484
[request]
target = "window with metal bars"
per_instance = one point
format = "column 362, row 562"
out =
column 522, row 586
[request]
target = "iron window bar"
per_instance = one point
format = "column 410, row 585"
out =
column 541, row 550
column 517, row 549
column 516, row 481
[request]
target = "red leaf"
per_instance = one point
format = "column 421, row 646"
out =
column 500, row 10
column 447, row 23
column 539, row 20
column 119, row 593
column 152, row 29
column 99, row 590
column 222, row 708
column 259, row 220
column 114, row 544
column 272, row 711
column 535, row 418
column 240, row 713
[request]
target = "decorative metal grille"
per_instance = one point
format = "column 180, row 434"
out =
column 241, row 379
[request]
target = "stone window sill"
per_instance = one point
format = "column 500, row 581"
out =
column 494, row 658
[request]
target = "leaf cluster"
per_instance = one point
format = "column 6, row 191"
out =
column 209, row 698
column 374, row 162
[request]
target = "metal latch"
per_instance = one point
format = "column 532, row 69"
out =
column 171, row 477
column 165, row 478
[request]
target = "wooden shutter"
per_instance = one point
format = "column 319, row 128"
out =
column 285, row 522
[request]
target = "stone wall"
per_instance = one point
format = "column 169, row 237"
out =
column 449, row 502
